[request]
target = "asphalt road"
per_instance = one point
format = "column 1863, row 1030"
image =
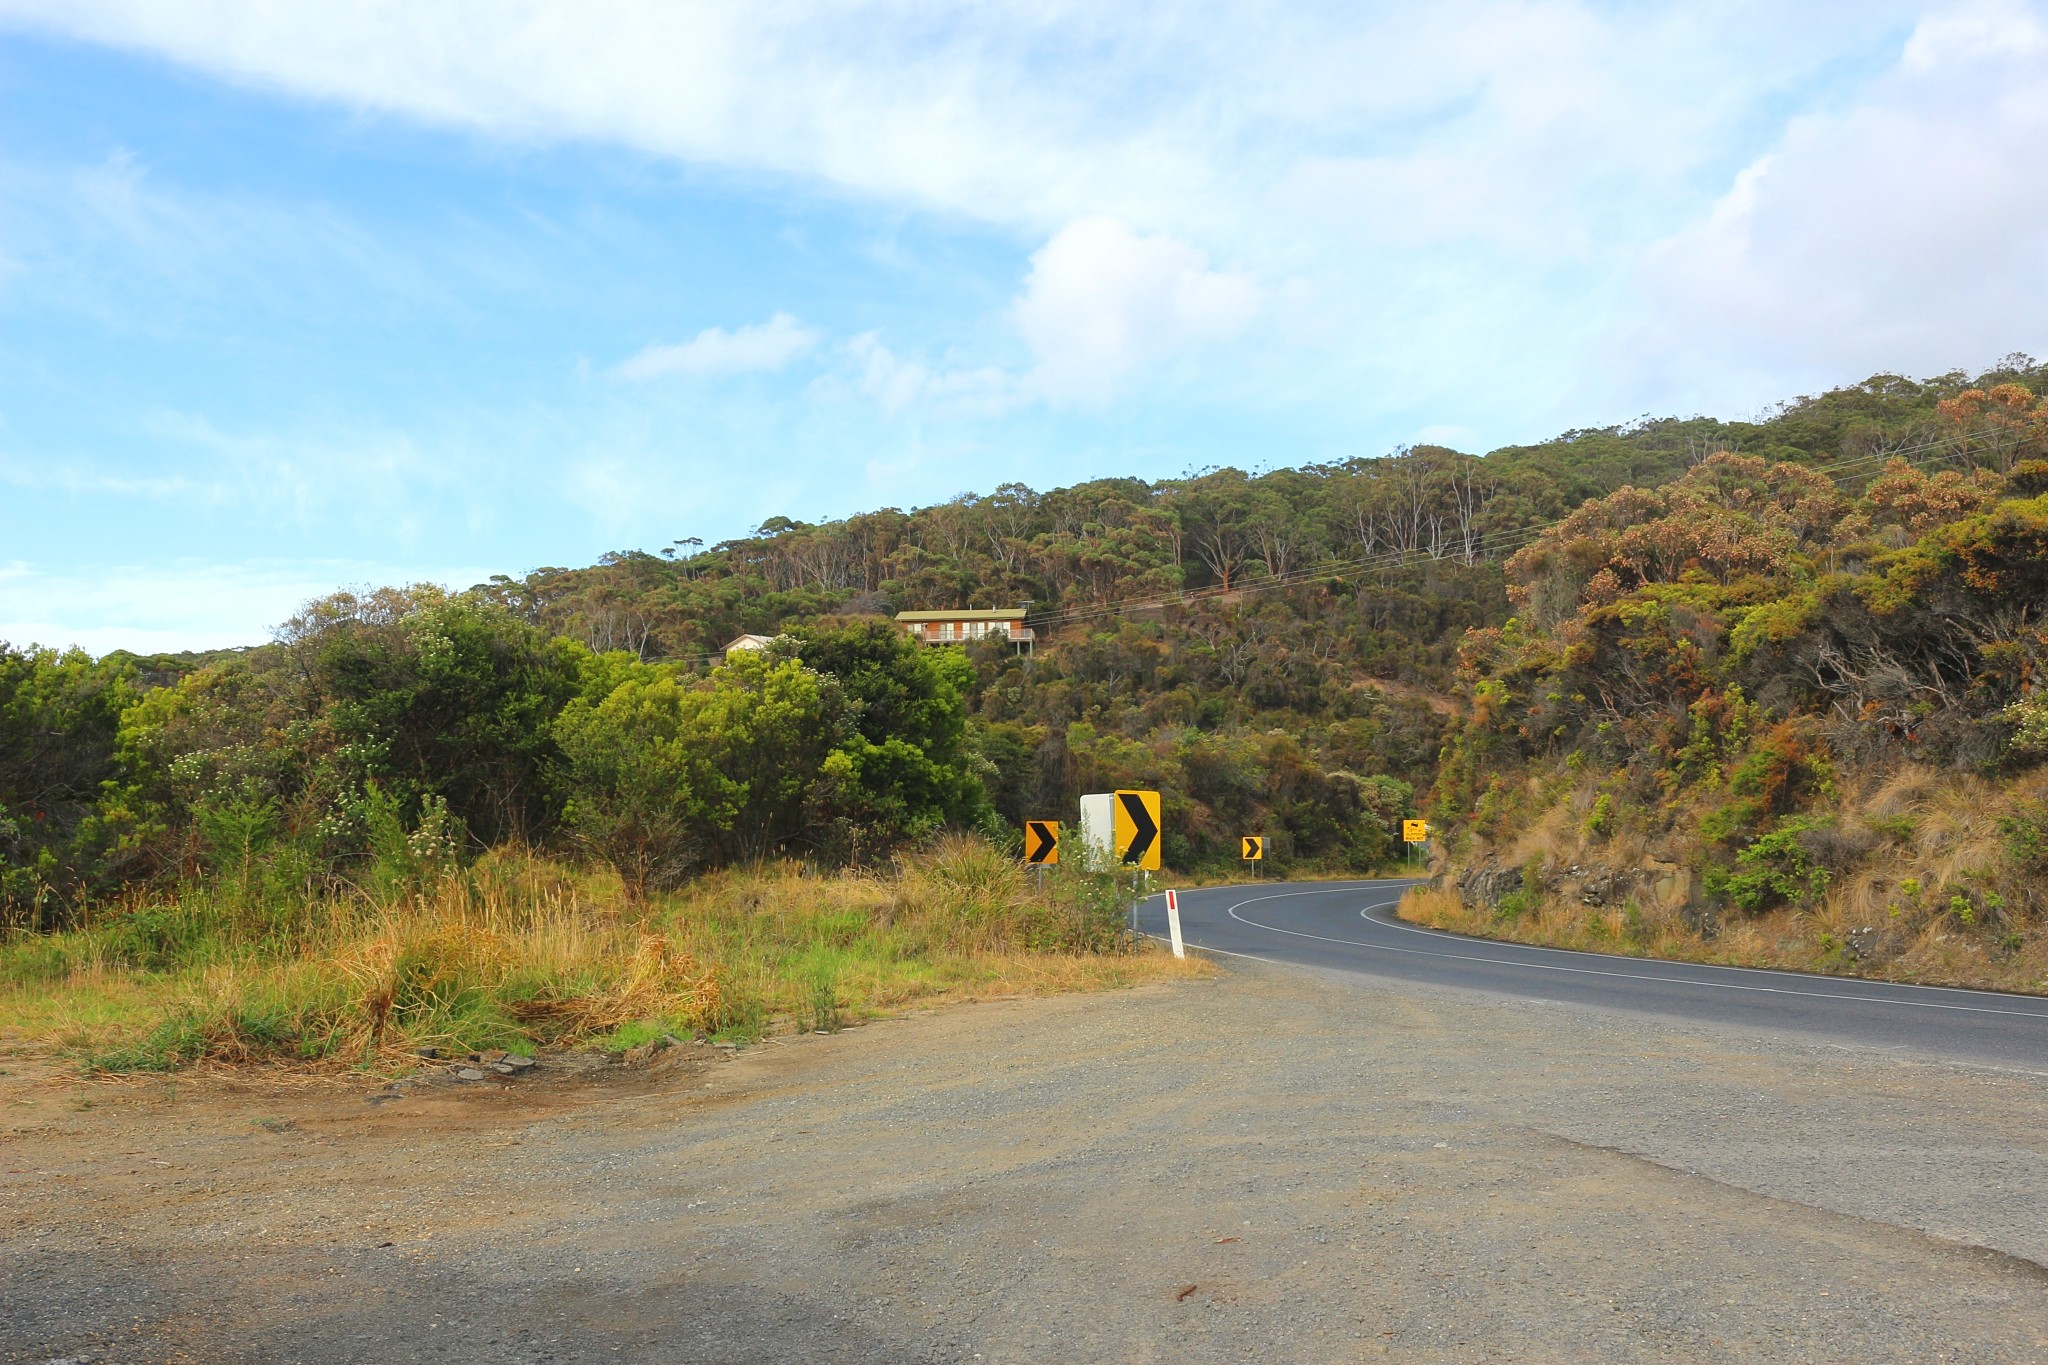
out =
column 1351, row 927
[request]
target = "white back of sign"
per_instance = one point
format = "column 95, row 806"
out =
column 1098, row 829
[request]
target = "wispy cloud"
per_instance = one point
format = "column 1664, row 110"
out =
column 98, row 239
column 1179, row 118
column 184, row 604
column 329, row 475
column 762, row 347
column 334, row 476
column 898, row 383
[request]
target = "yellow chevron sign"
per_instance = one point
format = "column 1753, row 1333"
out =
column 1254, row 847
column 1042, row 842
column 1136, row 829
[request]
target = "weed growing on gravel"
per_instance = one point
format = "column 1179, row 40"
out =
column 519, row 951
column 824, row 984
column 626, row 1037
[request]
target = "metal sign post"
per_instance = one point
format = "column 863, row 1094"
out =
column 1041, row 848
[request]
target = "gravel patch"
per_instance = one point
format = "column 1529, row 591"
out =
column 1271, row 1165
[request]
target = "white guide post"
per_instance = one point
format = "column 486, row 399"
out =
column 1173, row 922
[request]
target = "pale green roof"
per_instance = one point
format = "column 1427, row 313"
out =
column 965, row 614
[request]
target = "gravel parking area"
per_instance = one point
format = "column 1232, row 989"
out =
column 1271, row 1165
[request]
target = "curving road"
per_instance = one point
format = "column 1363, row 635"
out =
column 1351, row 927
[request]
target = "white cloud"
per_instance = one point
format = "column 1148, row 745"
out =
column 1907, row 230
column 1103, row 301
column 1463, row 187
column 896, row 383
column 373, row 477
column 878, row 97
column 761, row 347
column 1099, row 304
column 117, row 241
column 187, row 604
column 1180, row 118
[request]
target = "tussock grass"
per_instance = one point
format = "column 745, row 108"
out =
column 1924, row 889
column 520, row 952
column 1932, row 954
column 1629, row 929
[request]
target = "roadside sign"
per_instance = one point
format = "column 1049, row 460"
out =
column 1415, row 831
column 1098, row 831
column 1254, row 847
column 1137, row 829
column 1042, row 842
column 1173, row 923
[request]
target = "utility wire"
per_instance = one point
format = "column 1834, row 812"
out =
column 1491, row 545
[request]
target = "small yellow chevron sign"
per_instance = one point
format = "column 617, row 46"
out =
column 1254, row 847
column 1415, row 831
column 1042, row 842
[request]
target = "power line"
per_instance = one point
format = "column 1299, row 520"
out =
column 1498, row 544
column 1492, row 545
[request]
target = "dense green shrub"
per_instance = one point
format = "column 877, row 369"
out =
column 1776, row 869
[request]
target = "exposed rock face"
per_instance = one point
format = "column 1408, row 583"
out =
column 1604, row 886
column 1596, row 886
column 1486, row 885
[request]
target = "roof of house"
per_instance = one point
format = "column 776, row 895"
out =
column 752, row 642
column 965, row 614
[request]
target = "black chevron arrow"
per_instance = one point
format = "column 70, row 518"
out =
column 1144, row 831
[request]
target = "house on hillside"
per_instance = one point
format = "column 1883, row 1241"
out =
column 961, row 624
column 747, row 642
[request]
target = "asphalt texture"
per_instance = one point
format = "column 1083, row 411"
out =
column 1352, row 928
column 1271, row 1163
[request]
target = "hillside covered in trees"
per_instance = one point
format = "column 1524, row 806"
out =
column 1677, row 656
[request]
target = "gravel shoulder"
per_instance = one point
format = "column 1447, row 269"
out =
column 1271, row 1164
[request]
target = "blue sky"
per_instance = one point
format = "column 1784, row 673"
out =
column 301, row 296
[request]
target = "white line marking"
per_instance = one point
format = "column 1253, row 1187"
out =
column 1781, row 972
column 1674, row 980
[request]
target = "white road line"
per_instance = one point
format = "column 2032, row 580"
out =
column 1777, row 972
column 1592, row 971
column 1729, row 968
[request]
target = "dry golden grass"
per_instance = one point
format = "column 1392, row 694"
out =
column 1752, row 943
column 1921, row 887
column 521, row 952
column 1893, row 915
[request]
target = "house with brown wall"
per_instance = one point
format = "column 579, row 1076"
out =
column 961, row 624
